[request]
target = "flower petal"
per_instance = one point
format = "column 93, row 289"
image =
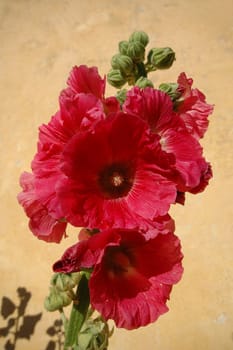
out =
column 41, row 223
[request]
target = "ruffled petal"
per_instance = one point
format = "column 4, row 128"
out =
column 194, row 110
column 41, row 223
column 132, row 282
column 86, row 79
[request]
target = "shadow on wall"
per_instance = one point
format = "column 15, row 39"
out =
column 20, row 325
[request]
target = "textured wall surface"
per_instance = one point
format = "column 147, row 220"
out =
column 40, row 42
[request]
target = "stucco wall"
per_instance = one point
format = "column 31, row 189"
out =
column 39, row 43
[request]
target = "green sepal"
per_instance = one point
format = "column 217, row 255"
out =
column 171, row 90
column 65, row 281
column 56, row 300
column 121, row 96
column 143, row 82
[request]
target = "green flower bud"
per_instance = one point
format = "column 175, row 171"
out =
column 75, row 276
column 171, row 90
column 143, row 82
column 161, row 58
column 115, row 78
column 65, row 281
column 136, row 51
column 123, row 47
column 123, row 63
column 56, row 300
column 140, row 36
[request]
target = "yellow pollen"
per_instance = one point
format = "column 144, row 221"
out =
column 117, row 180
column 162, row 142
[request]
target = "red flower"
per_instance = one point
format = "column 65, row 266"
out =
column 132, row 277
column 156, row 108
column 41, row 223
column 82, row 105
column 79, row 110
column 76, row 114
column 194, row 110
column 115, row 176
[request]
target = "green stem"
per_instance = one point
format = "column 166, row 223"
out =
column 78, row 313
column 149, row 67
column 141, row 70
column 64, row 319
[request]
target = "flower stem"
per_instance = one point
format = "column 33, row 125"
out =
column 64, row 319
column 141, row 70
column 78, row 312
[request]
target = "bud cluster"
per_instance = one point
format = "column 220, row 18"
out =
column 61, row 290
column 128, row 64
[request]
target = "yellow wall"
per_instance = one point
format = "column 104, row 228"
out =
column 39, row 43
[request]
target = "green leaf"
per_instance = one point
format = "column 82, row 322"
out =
column 84, row 340
column 78, row 312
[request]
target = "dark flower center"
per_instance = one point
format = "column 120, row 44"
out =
column 116, row 180
column 117, row 261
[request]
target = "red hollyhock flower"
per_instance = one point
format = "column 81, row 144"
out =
column 115, row 176
column 155, row 107
column 82, row 105
column 80, row 110
column 132, row 277
column 193, row 110
column 79, row 113
column 41, row 223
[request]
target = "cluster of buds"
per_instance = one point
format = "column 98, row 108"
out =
column 61, row 290
column 129, row 66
